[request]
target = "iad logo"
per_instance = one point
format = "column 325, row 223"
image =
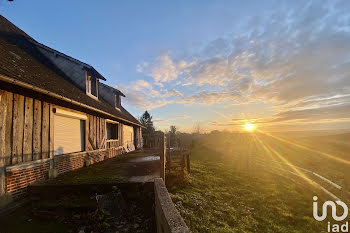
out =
column 332, row 227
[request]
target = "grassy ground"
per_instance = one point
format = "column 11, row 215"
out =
column 328, row 155
column 229, row 195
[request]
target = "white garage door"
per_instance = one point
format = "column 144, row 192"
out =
column 68, row 135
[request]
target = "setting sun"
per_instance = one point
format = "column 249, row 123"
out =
column 249, row 127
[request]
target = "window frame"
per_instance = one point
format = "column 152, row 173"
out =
column 88, row 86
column 117, row 103
column 118, row 125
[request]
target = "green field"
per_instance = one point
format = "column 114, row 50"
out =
column 235, row 187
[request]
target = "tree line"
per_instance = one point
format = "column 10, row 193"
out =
column 153, row 138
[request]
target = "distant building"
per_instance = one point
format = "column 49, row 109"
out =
column 56, row 114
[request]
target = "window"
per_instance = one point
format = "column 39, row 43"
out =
column 112, row 131
column 91, row 85
column 117, row 101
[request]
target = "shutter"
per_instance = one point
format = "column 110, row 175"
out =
column 67, row 135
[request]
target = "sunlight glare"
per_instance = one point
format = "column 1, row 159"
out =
column 249, row 127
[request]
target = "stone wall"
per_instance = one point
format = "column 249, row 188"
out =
column 168, row 218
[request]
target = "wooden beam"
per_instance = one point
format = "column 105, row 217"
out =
column 51, row 135
column 8, row 128
column 18, row 123
column 91, row 132
column 121, row 135
column 97, row 133
column 87, row 133
column 94, row 125
column 3, row 107
column 103, row 133
column 28, row 130
column 45, row 128
column 37, row 130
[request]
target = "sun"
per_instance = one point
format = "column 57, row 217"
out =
column 249, row 127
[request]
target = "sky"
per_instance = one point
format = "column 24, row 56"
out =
column 281, row 65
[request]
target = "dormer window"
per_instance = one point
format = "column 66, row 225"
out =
column 117, row 101
column 91, row 86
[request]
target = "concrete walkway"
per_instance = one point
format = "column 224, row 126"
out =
column 131, row 167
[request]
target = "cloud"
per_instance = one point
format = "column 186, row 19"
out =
column 297, row 58
column 332, row 112
column 141, row 94
column 142, row 67
column 140, row 84
column 172, row 118
column 210, row 98
column 163, row 68
column 172, row 92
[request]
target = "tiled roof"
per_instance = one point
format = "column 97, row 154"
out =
column 22, row 61
column 115, row 90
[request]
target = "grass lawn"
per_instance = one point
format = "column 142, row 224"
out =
column 227, row 195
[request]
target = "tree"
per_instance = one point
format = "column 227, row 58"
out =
column 148, row 133
column 197, row 129
column 172, row 136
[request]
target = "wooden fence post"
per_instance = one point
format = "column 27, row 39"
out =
column 188, row 162
column 183, row 162
column 163, row 158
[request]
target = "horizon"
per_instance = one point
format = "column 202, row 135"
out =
column 280, row 66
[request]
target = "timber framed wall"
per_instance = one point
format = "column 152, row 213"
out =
column 26, row 129
column 27, row 143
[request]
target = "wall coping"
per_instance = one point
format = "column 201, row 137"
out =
column 27, row 165
column 58, row 158
column 35, row 163
column 170, row 217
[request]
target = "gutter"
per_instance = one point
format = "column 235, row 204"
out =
column 49, row 93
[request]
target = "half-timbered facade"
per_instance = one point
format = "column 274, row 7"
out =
column 56, row 115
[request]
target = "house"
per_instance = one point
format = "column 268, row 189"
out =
column 56, row 114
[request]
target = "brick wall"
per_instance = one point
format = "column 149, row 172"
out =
column 97, row 157
column 18, row 180
column 65, row 163
column 113, row 152
column 19, row 177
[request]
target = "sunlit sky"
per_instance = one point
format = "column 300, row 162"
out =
column 282, row 65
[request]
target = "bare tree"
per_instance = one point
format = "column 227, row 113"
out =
column 197, row 129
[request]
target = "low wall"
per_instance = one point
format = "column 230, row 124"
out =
column 20, row 176
column 168, row 218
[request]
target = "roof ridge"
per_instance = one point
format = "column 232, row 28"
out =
column 9, row 27
column 21, row 61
